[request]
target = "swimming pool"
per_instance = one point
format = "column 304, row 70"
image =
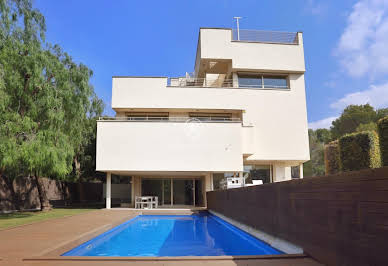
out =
column 173, row 235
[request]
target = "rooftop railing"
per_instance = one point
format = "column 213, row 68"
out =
column 214, row 119
column 200, row 82
column 265, row 36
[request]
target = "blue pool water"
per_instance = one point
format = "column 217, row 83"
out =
column 185, row 235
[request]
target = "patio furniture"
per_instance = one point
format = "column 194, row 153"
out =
column 146, row 202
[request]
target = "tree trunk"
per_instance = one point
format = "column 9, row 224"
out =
column 44, row 202
column 77, row 168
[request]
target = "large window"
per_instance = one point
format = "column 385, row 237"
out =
column 250, row 81
column 262, row 81
column 257, row 172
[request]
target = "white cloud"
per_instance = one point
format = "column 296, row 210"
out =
column 362, row 48
column 377, row 96
column 324, row 123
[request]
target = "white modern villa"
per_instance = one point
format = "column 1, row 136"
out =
column 239, row 119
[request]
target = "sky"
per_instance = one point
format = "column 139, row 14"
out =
column 345, row 41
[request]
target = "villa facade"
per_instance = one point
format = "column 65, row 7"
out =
column 239, row 118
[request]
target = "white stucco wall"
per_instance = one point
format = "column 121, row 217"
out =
column 279, row 117
column 218, row 44
column 168, row 146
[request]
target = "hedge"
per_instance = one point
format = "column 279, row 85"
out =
column 359, row 151
column 382, row 126
column 331, row 152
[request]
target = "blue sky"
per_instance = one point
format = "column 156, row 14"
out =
column 346, row 42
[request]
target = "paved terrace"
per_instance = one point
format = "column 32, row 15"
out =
column 42, row 243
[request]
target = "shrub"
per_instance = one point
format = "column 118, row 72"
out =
column 382, row 125
column 359, row 151
column 332, row 165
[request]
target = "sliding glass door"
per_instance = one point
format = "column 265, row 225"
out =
column 183, row 192
column 167, row 192
column 174, row 191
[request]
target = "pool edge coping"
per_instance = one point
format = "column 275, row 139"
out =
column 165, row 258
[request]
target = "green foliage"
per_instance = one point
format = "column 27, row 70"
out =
column 383, row 137
column 354, row 118
column 351, row 118
column 332, row 164
column 381, row 113
column 371, row 126
column 47, row 105
column 359, row 151
column 315, row 166
column 323, row 135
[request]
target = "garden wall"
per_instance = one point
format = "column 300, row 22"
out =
column 60, row 194
column 337, row 219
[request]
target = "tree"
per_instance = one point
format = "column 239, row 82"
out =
column 380, row 113
column 323, row 135
column 46, row 99
column 351, row 118
column 84, row 166
column 354, row 118
column 371, row 126
column 316, row 165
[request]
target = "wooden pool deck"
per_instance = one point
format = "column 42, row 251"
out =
column 42, row 243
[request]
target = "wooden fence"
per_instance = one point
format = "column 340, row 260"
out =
column 338, row 219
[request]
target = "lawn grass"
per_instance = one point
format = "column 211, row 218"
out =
column 19, row 218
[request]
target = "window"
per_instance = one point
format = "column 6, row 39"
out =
column 262, row 81
column 257, row 172
column 275, row 82
column 250, row 81
column 295, row 172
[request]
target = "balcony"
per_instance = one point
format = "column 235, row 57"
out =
column 200, row 82
column 207, row 119
column 172, row 145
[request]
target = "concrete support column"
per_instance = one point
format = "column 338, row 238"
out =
column 133, row 192
column 241, row 176
column 281, row 172
column 301, row 170
column 235, row 80
column 108, row 190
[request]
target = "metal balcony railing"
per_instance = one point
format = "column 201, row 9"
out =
column 265, row 36
column 214, row 119
column 200, row 82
